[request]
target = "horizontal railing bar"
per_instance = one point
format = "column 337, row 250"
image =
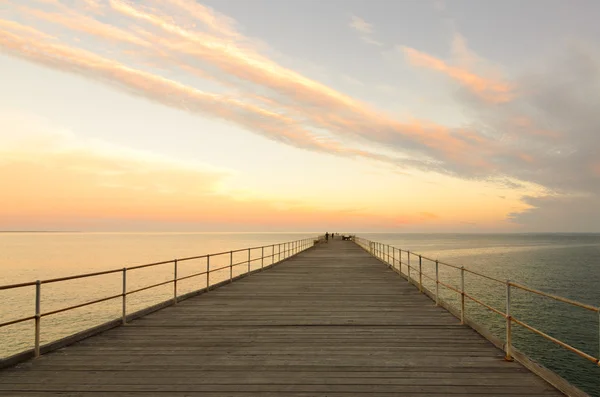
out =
column 429, row 259
column 217, row 269
column 74, row 277
column 532, row 290
column 374, row 248
column 449, row 287
column 55, row 280
column 555, row 297
column 485, row 305
column 11, row 286
column 191, row 275
column 195, row 257
column 17, row 321
column 558, row 342
column 148, row 287
column 240, row 263
column 80, row 305
column 484, row 276
column 426, row 276
column 150, row 264
column 449, row 265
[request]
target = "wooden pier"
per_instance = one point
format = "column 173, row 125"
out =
column 330, row 321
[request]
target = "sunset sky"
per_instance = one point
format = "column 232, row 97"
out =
column 300, row 115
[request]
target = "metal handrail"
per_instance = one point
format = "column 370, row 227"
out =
column 381, row 251
column 276, row 255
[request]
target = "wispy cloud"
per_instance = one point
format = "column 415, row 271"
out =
column 365, row 30
column 361, row 25
column 372, row 41
column 299, row 105
column 195, row 43
column 488, row 89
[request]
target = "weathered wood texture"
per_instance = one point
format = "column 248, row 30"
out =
column 332, row 321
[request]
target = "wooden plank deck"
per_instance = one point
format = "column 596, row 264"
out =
column 332, row 321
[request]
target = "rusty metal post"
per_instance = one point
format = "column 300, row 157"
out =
column 388, row 256
column 508, row 346
column 207, row 272
column 400, row 260
column 408, row 266
column 175, row 282
column 437, row 283
column 38, row 316
column 420, row 274
column 462, row 295
column 248, row 260
column 124, row 294
column 230, row 266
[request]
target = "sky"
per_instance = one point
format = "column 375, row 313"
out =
column 300, row 115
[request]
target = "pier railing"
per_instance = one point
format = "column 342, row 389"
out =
column 274, row 253
column 410, row 265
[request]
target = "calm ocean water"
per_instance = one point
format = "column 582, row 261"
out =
column 563, row 264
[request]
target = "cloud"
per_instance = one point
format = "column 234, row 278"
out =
column 307, row 105
column 365, row 30
column 370, row 40
column 545, row 135
column 360, row 25
column 556, row 120
column 487, row 89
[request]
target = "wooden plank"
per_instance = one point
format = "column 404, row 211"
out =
column 332, row 320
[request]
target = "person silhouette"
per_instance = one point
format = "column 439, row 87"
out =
column 327, row 236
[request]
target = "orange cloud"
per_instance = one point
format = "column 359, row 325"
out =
column 292, row 109
column 24, row 30
column 78, row 22
column 490, row 90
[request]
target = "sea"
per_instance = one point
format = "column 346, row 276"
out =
column 562, row 264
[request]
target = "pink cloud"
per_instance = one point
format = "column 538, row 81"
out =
column 487, row 89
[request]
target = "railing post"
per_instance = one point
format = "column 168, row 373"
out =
column 394, row 257
column 279, row 252
column 462, row 295
column 388, row 256
column 38, row 317
column 272, row 254
column 230, row 266
column 437, row 283
column 207, row 272
column 400, row 260
column 175, row 282
column 124, row 294
column 408, row 266
column 262, row 257
column 507, row 349
column 420, row 274
column 248, row 260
